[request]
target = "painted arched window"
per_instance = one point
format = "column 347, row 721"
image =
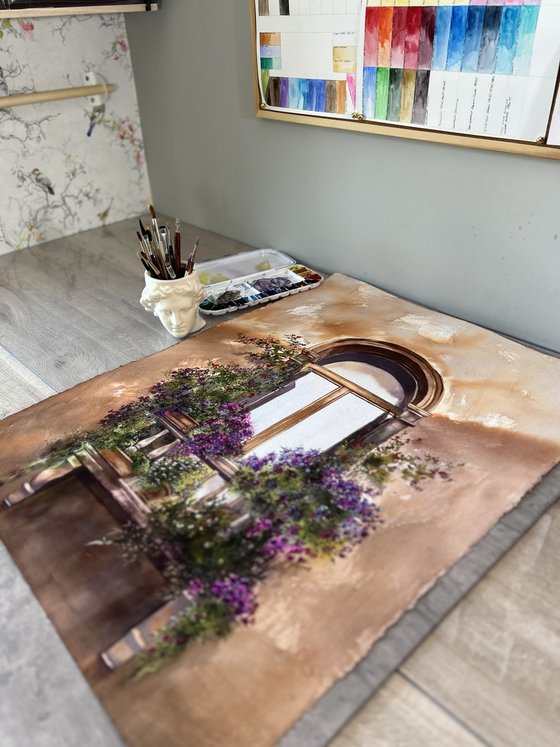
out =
column 351, row 388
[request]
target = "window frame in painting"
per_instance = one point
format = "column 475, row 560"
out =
column 422, row 387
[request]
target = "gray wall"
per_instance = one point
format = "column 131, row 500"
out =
column 471, row 233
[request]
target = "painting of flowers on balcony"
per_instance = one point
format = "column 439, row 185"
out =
column 221, row 531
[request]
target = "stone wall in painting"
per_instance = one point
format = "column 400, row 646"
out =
column 61, row 171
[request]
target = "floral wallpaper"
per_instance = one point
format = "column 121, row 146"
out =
column 67, row 166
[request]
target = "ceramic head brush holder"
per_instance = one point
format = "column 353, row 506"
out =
column 175, row 302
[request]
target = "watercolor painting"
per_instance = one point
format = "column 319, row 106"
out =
column 470, row 67
column 219, row 532
column 67, row 166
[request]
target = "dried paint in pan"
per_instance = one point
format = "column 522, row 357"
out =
column 223, row 298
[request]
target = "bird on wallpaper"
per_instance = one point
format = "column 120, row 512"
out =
column 3, row 84
column 104, row 214
column 95, row 117
column 42, row 181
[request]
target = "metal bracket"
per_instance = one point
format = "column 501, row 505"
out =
column 94, row 79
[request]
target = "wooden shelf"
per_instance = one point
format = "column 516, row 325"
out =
column 77, row 11
column 517, row 147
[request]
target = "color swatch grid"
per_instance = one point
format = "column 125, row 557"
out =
column 307, row 7
column 274, row 7
column 270, row 53
column 403, row 43
column 308, row 94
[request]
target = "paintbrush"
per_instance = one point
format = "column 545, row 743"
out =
column 148, row 240
column 144, row 262
column 169, row 270
column 153, row 217
column 142, row 239
column 143, row 243
column 147, row 249
column 190, row 261
column 177, row 247
column 158, row 245
column 148, row 264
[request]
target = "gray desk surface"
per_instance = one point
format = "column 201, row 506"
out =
column 69, row 311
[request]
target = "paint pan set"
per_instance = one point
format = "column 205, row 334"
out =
column 252, row 278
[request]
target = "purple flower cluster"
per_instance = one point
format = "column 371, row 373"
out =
column 221, row 436
column 195, row 587
column 352, row 531
column 113, row 417
column 238, row 594
column 277, row 541
column 259, row 528
column 347, row 494
column 299, row 459
column 307, row 505
column 285, row 548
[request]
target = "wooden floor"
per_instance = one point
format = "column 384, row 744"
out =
column 486, row 675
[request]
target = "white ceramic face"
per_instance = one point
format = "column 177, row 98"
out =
column 177, row 313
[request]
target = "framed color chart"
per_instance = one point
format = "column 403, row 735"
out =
column 481, row 73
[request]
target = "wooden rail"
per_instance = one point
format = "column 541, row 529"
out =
column 57, row 94
column 78, row 11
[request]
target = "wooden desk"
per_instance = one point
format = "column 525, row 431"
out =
column 485, row 676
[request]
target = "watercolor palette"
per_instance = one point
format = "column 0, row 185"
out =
column 258, row 288
column 242, row 265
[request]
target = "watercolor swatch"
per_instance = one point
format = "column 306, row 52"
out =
column 306, row 7
column 323, row 95
column 307, row 94
column 402, row 45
